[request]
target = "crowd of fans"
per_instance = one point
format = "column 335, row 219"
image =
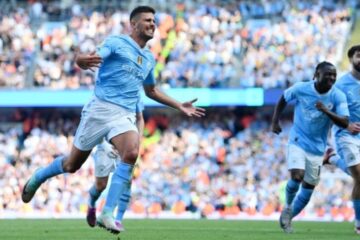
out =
column 17, row 47
column 196, row 45
column 285, row 52
column 227, row 163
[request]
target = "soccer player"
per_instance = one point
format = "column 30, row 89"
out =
column 125, row 66
column 317, row 106
column 348, row 140
column 106, row 158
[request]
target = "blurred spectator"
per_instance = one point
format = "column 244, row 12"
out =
column 17, row 45
column 269, row 44
column 282, row 53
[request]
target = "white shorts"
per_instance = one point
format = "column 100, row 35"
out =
column 100, row 119
column 297, row 158
column 348, row 149
column 105, row 160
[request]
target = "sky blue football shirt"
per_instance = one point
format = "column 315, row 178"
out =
column 310, row 128
column 351, row 87
column 125, row 68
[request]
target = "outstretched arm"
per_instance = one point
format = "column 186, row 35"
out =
column 341, row 121
column 187, row 108
column 88, row 61
column 279, row 108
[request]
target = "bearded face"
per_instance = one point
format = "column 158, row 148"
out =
column 355, row 61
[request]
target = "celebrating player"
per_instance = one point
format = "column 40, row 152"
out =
column 106, row 159
column 125, row 65
column 317, row 105
column 348, row 140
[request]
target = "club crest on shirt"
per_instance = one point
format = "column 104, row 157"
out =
column 329, row 105
column 139, row 60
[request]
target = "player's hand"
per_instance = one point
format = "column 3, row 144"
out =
column 88, row 61
column 354, row 128
column 191, row 111
column 275, row 128
column 320, row 106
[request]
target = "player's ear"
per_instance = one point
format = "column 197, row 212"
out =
column 316, row 74
column 133, row 24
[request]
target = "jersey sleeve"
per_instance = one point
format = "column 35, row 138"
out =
column 341, row 106
column 292, row 92
column 105, row 49
column 150, row 78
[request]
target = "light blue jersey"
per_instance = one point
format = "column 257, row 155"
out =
column 125, row 68
column 351, row 87
column 311, row 126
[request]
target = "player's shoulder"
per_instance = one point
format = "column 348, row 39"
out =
column 302, row 85
column 346, row 79
column 345, row 76
column 116, row 39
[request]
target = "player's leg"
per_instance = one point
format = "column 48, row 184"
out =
column 122, row 206
column 330, row 157
column 349, row 150
column 296, row 165
column 103, row 164
column 127, row 144
column 291, row 190
column 355, row 172
column 302, row 198
column 90, row 132
column 311, row 179
column 60, row 165
column 94, row 194
column 292, row 186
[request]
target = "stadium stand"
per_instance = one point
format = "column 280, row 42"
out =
column 196, row 45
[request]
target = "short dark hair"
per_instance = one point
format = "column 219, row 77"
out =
column 323, row 64
column 352, row 50
column 141, row 9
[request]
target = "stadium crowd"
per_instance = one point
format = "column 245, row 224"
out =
column 17, row 48
column 248, row 44
column 227, row 163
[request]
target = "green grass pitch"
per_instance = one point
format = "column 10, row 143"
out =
column 49, row 229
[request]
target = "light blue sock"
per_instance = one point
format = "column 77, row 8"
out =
column 339, row 163
column 51, row 170
column 119, row 184
column 356, row 205
column 123, row 203
column 301, row 200
column 292, row 188
column 94, row 196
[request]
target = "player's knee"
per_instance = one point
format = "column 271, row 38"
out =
column 131, row 155
column 310, row 184
column 297, row 176
column 101, row 185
